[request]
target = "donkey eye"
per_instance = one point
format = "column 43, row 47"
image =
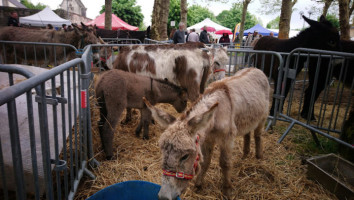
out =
column 184, row 157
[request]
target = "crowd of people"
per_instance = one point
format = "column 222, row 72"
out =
column 182, row 36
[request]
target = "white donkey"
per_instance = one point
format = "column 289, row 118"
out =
column 231, row 107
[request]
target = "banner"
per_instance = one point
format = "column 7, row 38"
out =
column 237, row 29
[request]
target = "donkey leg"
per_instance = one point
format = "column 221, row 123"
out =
column 114, row 110
column 258, row 139
column 246, row 145
column 128, row 116
column 207, row 151
column 146, row 118
column 225, row 162
column 139, row 127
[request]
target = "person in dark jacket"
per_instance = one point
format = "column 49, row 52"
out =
column 204, row 36
column 225, row 40
column 179, row 35
column 13, row 19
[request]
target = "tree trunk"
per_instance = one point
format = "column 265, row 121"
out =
column 344, row 19
column 327, row 4
column 108, row 15
column 159, row 19
column 243, row 18
column 285, row 18
column 155, row 23
column 184, row 12
column 165, row 8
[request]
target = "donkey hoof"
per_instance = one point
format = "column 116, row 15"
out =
column 109, row 157
column 146, row 137
column 304, row 115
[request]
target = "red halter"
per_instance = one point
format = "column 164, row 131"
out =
column 104, row 58
column 219, row 70
column 182, row 175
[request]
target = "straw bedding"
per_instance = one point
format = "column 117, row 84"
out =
column 281, row 174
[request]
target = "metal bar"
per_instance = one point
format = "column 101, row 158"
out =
column 56, row 142
column 16, row 150
column 3, row 175
column 42, row 109
column 70, row 126
column 62, row 92
column 33, row 144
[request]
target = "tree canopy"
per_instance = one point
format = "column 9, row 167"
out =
column 128, row 11
column 30, row 5
column 229, row 18
column 274, row 24
column 197, row 13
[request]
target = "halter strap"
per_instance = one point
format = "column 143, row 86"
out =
column 182, row 175
column 219, row 70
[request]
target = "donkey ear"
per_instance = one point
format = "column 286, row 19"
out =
column 162, row 118
column 323, row 18
column 200, row 121
column 310, row 21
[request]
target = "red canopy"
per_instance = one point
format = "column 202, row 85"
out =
column 117, row 23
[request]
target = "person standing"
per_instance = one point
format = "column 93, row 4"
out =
column 204, row 36
column 179, row 35
column 13, row 19
column 224, row 40
column 64, row 27
column 193, row 36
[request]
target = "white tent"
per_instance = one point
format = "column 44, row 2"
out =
column 207, row 22
column 44, row 17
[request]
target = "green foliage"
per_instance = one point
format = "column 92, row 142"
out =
column 274, row 24
column 197, row 13
column 30, row 5
column 333, row 19
column 174, row 13
column 229, row 18
column 128, row 11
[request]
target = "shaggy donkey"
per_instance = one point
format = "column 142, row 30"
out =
column 117, row 90
column 320, row 35
column 231, row 107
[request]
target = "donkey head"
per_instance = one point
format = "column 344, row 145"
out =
column 180, row 102
column 219, row 57
column 179, row 145
column 320, row 35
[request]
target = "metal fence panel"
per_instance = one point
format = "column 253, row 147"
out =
column 36, row 161
column 317, row 91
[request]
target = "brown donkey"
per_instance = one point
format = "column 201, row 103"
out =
column 117, row 90
column 231, row 107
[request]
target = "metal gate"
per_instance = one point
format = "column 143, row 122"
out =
column 45, row 139
column 310, row 74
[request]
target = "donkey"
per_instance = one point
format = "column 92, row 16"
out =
column 320, row 35
column 117, row 90
column 231, row 107
column 78, row 38
column 347, row 77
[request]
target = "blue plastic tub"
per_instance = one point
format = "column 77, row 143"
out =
column 129, row 190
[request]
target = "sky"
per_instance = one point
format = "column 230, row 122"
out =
column 94, row 6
